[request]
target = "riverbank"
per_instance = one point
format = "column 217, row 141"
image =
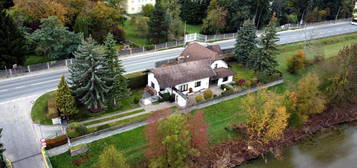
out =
column 235, row 152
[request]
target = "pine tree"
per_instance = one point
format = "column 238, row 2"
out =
column 246, row 43
column 158, row 25
column 65, row 102
column 12, row 42
column 90, row 75
column 264, row 59
column 2, row 150
column 120, row 83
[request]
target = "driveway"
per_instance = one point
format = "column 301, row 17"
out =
column 20, row 136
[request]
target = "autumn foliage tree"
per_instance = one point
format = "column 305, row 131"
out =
column 173, row 140
column 296, row 63
column 40, row 9
column 110, row 157
column 309, row 99
column 267, row 116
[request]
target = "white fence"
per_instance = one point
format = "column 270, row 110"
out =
column 206, row 38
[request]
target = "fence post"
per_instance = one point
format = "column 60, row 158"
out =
column 71, row 61
column 224, row 36
column 215, row 36
column 234, row 35
column 48, row 65
column 143, row 49
column 176, row 43
column 166, row 45
column 131, row 51
column 28, row 68
column 65, row 61
column 155, row 47
column 10, row 72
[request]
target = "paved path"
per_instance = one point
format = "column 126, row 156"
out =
column 111, row 115
column 21, row 137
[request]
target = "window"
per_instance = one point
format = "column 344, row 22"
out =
column 198, row 84
column 183, row 88
column 225, row 79
column 215, row 66
column 152, row 85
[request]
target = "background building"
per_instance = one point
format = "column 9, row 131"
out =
column 134, row 6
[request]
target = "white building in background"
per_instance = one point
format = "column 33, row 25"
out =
column 199, row 67
column 134, row 6
column 354, row 17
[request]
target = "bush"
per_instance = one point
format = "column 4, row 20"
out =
column 199, row 98
column 167, row 97
column 296, row 63
column 136, row 100
column 240, row 82
column 76, row 129
column 118, row 33
column 54, row 142
column 208, row 94
column 247, row 84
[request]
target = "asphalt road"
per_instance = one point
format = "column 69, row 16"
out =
column 39, row 83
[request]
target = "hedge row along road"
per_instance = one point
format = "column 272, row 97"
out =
column 36, row 84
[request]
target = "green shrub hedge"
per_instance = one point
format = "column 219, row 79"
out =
column 137, row 80
column 76, row 129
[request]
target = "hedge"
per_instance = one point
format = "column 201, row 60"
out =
column 137, row 80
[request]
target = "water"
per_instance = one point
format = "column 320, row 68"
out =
column 335, row 148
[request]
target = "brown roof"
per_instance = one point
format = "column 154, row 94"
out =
column 170, row 76
column 223, row 72
column 215, row 48
column 195, row 51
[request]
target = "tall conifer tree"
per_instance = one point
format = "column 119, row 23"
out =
column 12, row 42
column 264, row 60
column 90, row 76
column 246, row 43
column 158, row 25
column 119, row 84
column 2, row 150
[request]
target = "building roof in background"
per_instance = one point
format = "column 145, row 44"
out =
column 171, row 76
column 195, row 51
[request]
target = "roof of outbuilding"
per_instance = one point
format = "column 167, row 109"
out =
column 196, row 51
column 223, row 72
column 170, row 76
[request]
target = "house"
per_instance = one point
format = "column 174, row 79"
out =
column 199, row 67
column 134, row 6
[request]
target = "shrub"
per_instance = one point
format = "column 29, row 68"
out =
column 296, row 63
column 54, row 142
column 118, row 33
column 167, row 97
column 247, row 84
column 240, row 82
column 76, row 129
column 137, row 80
column 136, row 100
column 208, row 94
column 263, row 77
column 199, row 98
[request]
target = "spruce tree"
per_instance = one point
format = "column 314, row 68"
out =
column 158, row 25
column 65, row 102
column 264, row 59
column 119, row 84
column 6, row 4
column 90, row 75
column 246, row 43
column 2, row 150
column 12, row 42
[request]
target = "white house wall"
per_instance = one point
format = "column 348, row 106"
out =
column 220, row 81
column 135, row 6
column 204, row 85
column 152, row 79
column 219, row 64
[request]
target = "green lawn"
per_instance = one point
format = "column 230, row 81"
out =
column 193, row 28
column 34, row 59
column 114, row 117
column 39, row 109
column 131, row 34
column 218, row 116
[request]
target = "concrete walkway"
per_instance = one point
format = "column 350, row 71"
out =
column 111, row 115
column 105, row 134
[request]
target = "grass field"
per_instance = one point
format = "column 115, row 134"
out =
column 218, row 116
column 39, row 109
